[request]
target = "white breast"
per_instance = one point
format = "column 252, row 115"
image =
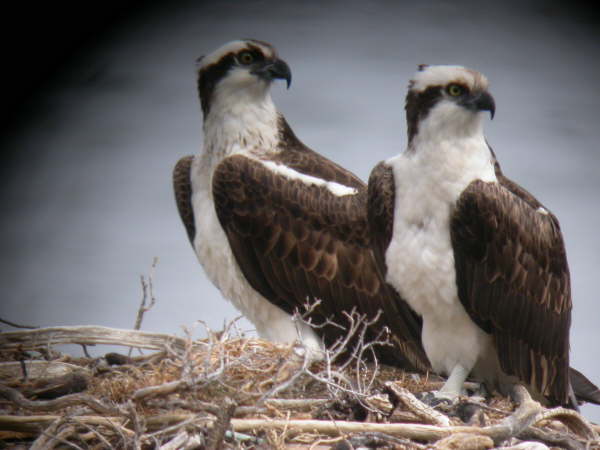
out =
column 216, row 257
column 420, row 258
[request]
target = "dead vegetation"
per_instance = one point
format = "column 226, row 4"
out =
column 232, row 391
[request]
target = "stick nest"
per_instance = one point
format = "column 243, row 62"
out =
column 232, row 391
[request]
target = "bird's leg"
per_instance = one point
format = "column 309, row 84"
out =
column 453, row 386
column 450, row 391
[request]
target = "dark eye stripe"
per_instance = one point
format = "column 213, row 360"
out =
column 254, row 53
column 210, row 75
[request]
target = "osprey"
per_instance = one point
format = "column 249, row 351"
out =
column 475, row 255
column 276, row 225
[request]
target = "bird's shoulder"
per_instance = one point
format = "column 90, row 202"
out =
column 182, row 188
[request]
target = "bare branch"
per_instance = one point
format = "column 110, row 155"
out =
column 147, row 291
column 183, row 441
column 59, row 403
column 574, row 420
column 86, row 334
column 16, row 325
column 214, row 440
column 417, row 407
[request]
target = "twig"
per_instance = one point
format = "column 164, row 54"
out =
column 560, row 440
column 240, row 411
column 214, row 441
column 376, row 440
column 299, row 403
column 95, row 433
column 85, row 351
column 519, row 421
column 56, row 404
column 334, row 428
column 147, row 291
column 161, row 389
column 464, row 440
column 32, row 424
column 138, row 425
column 16, row 325
column 54, row 435
column 523, row 417
column 290, row 381
column 183, row 441
column 38, row 369
column 572, row 419
column 172, row 428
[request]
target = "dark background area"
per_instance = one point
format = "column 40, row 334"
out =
column 39, row 40
column 99, row 103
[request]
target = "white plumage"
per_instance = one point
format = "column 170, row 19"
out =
column 444, row 158
column 242, row 120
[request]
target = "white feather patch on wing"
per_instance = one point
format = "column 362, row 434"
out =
column 335, row 188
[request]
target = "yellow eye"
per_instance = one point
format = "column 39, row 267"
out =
column 455, row 90
column 246, row 58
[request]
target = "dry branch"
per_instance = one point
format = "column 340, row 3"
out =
column 33, row 424
column 57, row 404
column 38, row 369
column 86, row 335
column 145, row 305
column 575, row 421
column 417, row 407
column 418, row 432
column 16, row 325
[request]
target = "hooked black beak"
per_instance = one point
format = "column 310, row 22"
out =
column 274, row 69
column 482, row 102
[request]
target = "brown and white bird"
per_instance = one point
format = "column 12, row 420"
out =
column 274, row 224
column 475, row 255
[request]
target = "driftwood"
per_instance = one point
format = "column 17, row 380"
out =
column 233, row 389
column 428, row 414
column 419, row 432
column 86, row 335
column 38, row 369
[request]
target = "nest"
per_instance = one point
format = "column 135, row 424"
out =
column 232, row 391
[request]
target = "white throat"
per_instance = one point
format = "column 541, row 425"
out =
column 241, row 119
column 453, row 153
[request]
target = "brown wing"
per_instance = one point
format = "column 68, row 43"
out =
column 380, row 211
column 296, row 242
column 183, row 194
column 513, row 279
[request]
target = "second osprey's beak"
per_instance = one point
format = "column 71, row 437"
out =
column 270, row 70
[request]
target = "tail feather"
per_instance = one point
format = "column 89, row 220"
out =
column 584, row 389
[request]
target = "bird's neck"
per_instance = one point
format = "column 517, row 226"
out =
column 453, row 153
column 246, row 123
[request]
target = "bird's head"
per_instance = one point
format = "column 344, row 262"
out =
column 448, row 101
column 240, row 71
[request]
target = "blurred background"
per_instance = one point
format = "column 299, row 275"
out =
column 99, row 102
